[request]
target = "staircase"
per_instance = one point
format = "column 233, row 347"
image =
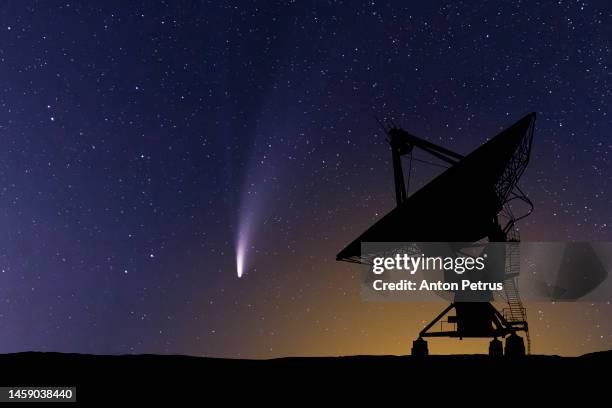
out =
column 515, row 314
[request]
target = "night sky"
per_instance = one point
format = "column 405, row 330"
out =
column 144, row 142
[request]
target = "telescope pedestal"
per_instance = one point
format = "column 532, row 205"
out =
column 475, row 320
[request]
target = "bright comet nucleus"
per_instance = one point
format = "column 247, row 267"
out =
column 240, row 254
column 243, row 241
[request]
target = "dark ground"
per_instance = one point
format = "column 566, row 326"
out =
column 473, row 378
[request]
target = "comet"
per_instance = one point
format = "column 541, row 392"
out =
column 240, row 256
column 251, row 208
column 243, row 240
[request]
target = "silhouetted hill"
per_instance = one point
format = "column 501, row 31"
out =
column 361, row 378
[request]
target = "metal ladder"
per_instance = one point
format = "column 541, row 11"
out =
column 515, row 314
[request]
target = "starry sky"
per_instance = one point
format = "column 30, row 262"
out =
column 141, row 141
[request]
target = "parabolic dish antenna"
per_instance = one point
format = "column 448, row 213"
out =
column 468, row 202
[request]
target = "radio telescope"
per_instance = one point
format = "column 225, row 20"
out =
column 469, row 202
